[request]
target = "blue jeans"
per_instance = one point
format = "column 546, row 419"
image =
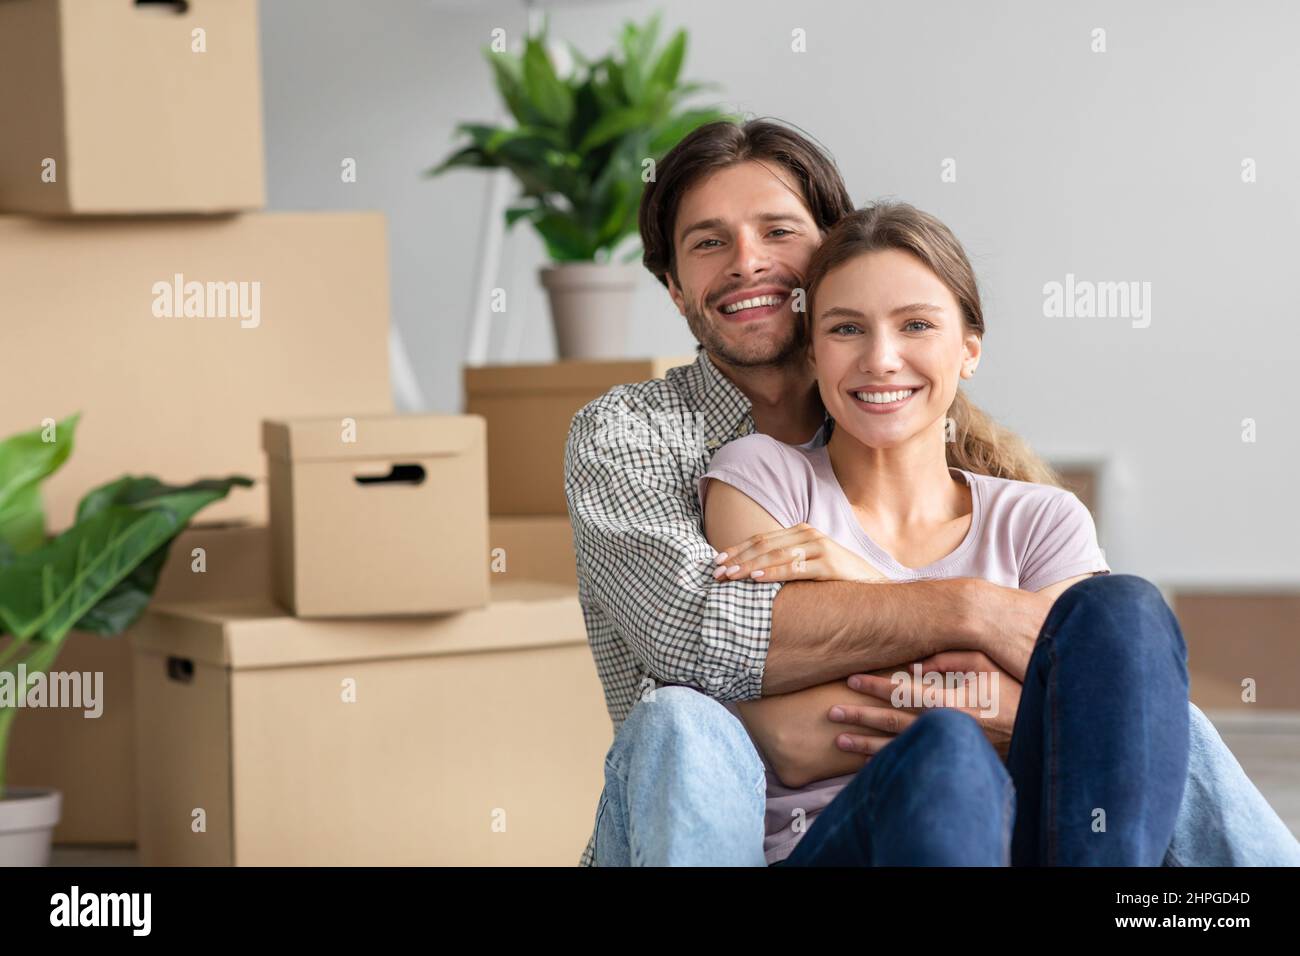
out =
column 684, row 785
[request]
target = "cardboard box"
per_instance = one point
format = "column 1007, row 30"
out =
column 92, row 761
column 532, row 548
column 528, row 410
column 184, row 397
column 1235, row 636
column 466, row 739
column 112, row 107
column 378, row 515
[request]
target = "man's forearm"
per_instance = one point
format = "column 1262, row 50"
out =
column 823, row 630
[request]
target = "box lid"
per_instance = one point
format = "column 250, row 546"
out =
column 573, row 375
column 250, row 634
column 370, row 436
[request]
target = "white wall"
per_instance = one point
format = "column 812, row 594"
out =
column 1123, row 165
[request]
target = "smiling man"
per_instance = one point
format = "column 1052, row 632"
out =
column 729, row 227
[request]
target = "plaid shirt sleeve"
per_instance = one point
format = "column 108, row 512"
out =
column 645, row 568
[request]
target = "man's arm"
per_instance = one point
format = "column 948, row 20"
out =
column 645, row 564
column 823, row 630
column 798, row 737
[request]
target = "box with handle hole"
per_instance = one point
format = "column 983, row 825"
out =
column 374, row 515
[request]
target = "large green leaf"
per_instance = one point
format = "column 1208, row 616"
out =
column 669, row 65
column 45, row 593
column 27, row 459
column 546, row 91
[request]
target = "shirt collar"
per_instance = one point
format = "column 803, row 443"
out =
column 723, row 408
column 725, row 411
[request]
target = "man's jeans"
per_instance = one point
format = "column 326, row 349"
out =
column 684, row 785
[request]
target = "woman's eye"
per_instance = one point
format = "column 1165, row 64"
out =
column 921, row 322
column 839, row 328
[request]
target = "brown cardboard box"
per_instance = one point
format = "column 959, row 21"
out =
column 112, row 107
column 378, row 515
column 528, row 410
column 466, row 739
column 532, row 548
column 181, row 397
column 92, row 761
column 1235, row 635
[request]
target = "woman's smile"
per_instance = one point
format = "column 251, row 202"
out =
column 878, row 402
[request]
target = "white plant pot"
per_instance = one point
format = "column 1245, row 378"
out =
column 590, row 306
column 27, row 820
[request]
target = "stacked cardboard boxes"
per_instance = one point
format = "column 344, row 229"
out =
column 215, row 340
column 528, row 409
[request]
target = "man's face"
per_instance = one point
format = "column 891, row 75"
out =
column 742, row 240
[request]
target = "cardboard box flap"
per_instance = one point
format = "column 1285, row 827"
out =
column 566, row 376
column 371, row 436
column 254, row 634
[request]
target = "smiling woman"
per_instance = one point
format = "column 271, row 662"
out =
column 894, row 325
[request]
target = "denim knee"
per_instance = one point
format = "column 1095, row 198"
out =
column 675, row 715
column 945, row 727
column 954, row 746
column 1123, row 599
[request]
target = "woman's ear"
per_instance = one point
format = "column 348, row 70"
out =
column 971, row 355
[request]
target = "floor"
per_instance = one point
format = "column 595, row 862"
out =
column 1266, row 744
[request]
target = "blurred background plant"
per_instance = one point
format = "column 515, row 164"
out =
column 586, row 139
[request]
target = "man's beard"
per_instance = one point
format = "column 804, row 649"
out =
column 757, row 353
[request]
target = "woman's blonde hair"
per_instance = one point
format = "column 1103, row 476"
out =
column 980, row 445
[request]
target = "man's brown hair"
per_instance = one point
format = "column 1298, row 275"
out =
column 725, row 143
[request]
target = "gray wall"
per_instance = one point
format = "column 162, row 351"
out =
column 1115, row 166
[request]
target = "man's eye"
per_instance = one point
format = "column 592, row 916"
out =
column 780, row 229
column 700, row 245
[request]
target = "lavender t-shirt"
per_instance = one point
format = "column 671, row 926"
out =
column 1022, row 535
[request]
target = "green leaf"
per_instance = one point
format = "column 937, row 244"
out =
column 544, row 89
column 515, row 213
column 119, row 526
column 509, row 74
column 615, row 124
column 669, row 65
column 26, row 460
column 566, row 240
column 676, row 129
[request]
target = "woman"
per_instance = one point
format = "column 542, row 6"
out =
column 916, row 483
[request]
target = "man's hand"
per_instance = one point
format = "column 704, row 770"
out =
column 1004, row 623
column 996, row 714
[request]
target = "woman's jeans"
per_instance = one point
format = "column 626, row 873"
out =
column 1103, row 769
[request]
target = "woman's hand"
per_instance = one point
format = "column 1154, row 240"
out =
column 996, row 714
column 800, row 553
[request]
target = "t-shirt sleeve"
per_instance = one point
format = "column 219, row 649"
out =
column 777, row 476
column 1063, row 545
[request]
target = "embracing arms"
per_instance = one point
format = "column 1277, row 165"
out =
column 820, row 632
column 839, row 616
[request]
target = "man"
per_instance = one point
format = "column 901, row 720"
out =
column 728, row 227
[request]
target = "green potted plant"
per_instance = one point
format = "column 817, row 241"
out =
column 582, row 149
column 96, row 576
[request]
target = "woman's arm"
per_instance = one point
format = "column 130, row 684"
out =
column 792, row 730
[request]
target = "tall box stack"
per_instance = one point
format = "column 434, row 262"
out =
column 328, row 672
column 528, row 409
column 174, row 335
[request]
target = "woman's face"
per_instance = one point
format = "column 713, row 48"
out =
column 885, row 323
